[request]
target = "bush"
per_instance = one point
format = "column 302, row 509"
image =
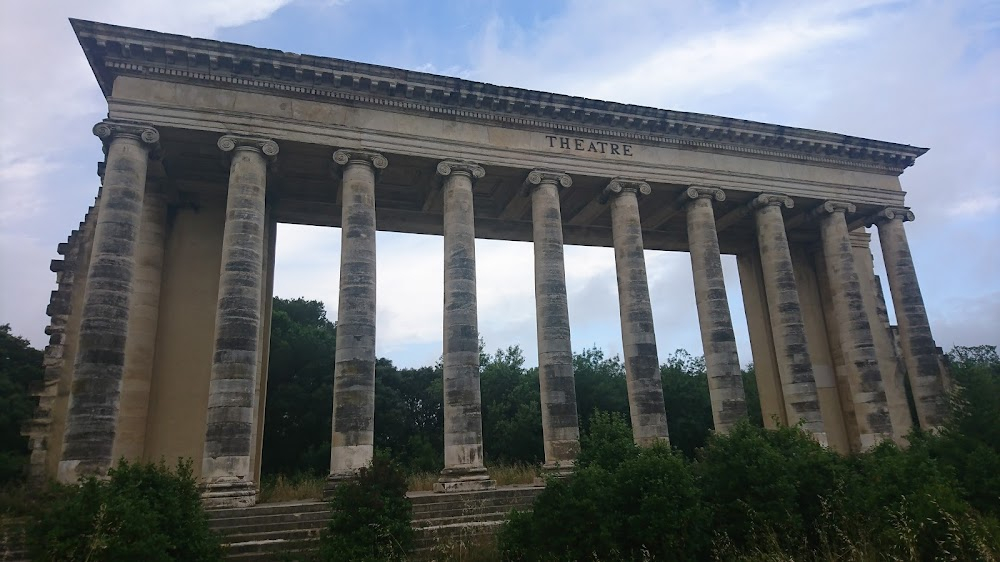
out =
column 371, row 517
column 622, row 502
column 141, row 512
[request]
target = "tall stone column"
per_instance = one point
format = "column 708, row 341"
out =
column 853, row 328
column 226, row 465
column 642, row 367
column 100, row 360
column 791, row 350
column 725, row 381
column 919, row 352
column 353, row 438
column 463, row 417
column 560, row 425
column 143, row 320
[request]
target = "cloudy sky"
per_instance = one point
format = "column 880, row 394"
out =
column 921, row 73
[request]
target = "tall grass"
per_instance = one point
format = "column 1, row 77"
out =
column 505, row 475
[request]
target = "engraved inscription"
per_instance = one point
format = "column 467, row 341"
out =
column 584, row 145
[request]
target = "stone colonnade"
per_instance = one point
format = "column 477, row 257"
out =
column 116, row 320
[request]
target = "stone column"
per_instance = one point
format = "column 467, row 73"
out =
column 463, row 417
column 725, row 381
column 353, row 438
column 226, row 464
column 143, row 320
column 791, row 349
column 100, row 359
column 560, row 425
column 854, row 330
column 642, row 367
column 919, row 352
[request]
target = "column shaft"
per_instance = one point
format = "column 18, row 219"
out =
column 353, row 439
column 919, row 351
column 145, row 308
column 791, row 349
column 226, row 465
column 853, row 328
column 463, row 423
column 725, row 381
column 560, row 425
column 100, row 359
column 642, row 369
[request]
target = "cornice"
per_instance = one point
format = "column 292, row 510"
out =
column 114, row 50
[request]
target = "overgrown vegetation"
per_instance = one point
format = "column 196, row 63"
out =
column 20, row 367
column 756, row 494
column 370, row 516
column 146, row 512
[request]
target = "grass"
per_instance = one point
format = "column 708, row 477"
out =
column 303, row 487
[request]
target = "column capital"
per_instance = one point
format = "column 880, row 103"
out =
column 344, row 156
column 471, row 169
column 831, row 207
column 108, row 130
column 539, row 177
column 904, row 214
column 232, row 143
column 771, row 200
column 617, row 186
column 696, row 192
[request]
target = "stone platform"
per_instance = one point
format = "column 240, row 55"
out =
column 444, row 523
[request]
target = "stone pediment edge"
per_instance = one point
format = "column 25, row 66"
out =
column 115, row 50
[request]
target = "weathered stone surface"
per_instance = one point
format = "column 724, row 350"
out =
column 927, row 379
column 791, row 349
column 131, row 435
column 354, row 370
column 463, row 423
column 725, row 381
column 867, row 394
column 560, row 424
column 100, row 358
column 642, row 367
column 226, row 468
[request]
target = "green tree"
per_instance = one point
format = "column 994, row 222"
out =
column 20, row 368
column 685, row 394
column 512, row 414
column 299, row 404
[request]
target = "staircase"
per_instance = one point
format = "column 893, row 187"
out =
column 444, row 523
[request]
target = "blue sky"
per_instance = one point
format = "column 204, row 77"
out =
column 922, row 73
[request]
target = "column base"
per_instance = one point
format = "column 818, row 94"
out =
column 333, row 481
column 464, row 479
column 554, row 470
column 226, row 493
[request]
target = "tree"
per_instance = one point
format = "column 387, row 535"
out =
column 20, row 367
column 299, row 404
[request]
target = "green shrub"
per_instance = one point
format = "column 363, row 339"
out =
column 623, row 503
column 141, row 512
column 371, row 516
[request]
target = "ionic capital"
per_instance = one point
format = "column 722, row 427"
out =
column 540, row 177
column 619, row 186
column 448, row 167
column 831, row 207
column 230, row 144
column 890, row 213
column 373, row 159
column 771, row 200
column 696, row 192
column 109, row 130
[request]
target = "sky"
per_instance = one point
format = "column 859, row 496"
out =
column 916, row 72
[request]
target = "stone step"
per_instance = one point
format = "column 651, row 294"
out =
column 467, row 510
column 305, row 518
column 286, row 535
column 420, row 498
column 267, row 549
column 438, row 522
column 269, row 509
column 259, row 528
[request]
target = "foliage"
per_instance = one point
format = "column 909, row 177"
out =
column 299, row 405
column 141, row 512
column 20, row 367
column 623, row 502
column 371, row 516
